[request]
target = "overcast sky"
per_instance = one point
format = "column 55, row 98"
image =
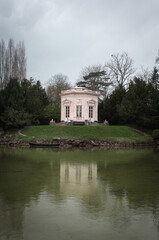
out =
column 63, row 36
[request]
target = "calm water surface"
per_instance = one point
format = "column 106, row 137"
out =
column 51, row 194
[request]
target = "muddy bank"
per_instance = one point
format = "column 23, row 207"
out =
column 83, row 143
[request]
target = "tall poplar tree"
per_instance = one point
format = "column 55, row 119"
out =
column 12, row 62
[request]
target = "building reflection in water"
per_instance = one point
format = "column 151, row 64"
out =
column 83, row 175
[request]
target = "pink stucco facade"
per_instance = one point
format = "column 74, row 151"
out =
column 79, row 104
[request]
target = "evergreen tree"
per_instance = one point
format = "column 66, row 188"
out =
column 95, row 78
column 13, row 97
column 141, row 104
column 22, row 104
column 111, row 104
column 155, row 78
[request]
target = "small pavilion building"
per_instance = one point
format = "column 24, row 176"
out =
column 79, row 105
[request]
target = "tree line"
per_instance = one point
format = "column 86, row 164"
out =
column 137, row 105
column 22, row 101
column 126, row 97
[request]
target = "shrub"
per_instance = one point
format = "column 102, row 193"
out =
column 12, row 118
column 155, row 135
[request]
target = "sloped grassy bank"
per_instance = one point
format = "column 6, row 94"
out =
column 109, row 133
column 78, row 136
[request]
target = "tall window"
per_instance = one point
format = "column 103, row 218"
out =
column 67, row 111
column 90, row 112
column 79, row 111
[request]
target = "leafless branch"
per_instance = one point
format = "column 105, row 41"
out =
column 120, row 69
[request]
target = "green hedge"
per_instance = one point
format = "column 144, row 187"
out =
column 155, row 135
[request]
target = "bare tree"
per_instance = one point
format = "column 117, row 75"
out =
column 157, row 58
column 6, row 70
column 145, row 74
column 94, row 77
column 12, row 62
column 2, row 63
column 56, row 84
column 15, row 70
column 11, row 50
column 21, row 60
column 120, row 69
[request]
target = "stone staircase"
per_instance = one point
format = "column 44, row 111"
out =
column 79, row 123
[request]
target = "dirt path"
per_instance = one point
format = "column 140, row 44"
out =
column 19, row 132
column 143, row 133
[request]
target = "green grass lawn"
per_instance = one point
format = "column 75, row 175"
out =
column 110, row 133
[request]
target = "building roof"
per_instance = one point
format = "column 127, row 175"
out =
column 79, row 90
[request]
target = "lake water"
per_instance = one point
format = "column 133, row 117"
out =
column 61, row 195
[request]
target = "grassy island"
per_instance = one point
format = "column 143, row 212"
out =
column 107, row 133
